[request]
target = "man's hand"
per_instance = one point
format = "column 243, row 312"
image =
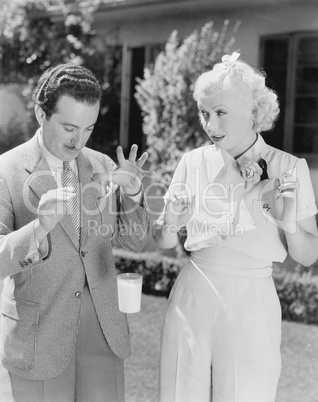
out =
column 129, row 174
column 51, row 209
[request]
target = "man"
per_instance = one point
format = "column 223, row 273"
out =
column 62, row 205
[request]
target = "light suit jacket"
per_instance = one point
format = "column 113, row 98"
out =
column 41, row 299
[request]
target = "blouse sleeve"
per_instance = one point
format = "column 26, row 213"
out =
column 178, row 182
column 306, row 197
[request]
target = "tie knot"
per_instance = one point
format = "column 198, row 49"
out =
column 66, row 165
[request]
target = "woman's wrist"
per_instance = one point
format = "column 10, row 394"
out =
column 288, row 227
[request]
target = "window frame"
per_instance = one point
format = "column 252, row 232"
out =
column 151, row 50
column 293, row 39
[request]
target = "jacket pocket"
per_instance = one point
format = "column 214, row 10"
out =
column 18, row 328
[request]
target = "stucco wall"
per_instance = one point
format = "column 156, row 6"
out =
column 140, row 27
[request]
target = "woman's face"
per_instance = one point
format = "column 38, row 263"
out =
column 228, row 121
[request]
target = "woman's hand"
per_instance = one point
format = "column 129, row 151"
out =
column 129, row 173
column 285, row 202
column 179, row 209
column 175, row 215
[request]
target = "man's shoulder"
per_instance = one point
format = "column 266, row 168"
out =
column 14, row 156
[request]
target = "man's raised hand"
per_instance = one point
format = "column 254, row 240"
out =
column 129, row 173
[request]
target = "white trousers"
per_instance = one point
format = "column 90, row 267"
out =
column 221, row 338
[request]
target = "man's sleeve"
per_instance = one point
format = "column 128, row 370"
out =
column 18, row 250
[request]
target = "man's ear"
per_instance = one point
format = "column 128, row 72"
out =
column 39, row 114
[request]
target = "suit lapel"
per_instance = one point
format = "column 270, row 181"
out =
column 42, row 180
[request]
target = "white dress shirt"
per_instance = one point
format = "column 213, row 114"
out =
column 228, row 211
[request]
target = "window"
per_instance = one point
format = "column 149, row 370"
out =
column 291, row 65
column 134, row 61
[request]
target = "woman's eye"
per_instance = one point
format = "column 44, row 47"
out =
column 220, row 112
column 205, row 114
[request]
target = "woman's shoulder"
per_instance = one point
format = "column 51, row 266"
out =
column 280, row 158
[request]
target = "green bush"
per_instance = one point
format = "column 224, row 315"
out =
column 34, row 38
column 298, row 292
column 159, row 272
column 170, row 116
column 12, row 135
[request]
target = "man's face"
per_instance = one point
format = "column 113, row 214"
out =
column 66, row 133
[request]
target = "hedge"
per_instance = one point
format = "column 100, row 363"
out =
column 159, row 272
column 298, row 292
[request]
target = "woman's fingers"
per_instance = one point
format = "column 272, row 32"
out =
column 286, row 194
column 288, row 186
column 182, row 199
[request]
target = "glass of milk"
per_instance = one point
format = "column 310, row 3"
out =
column 129, row 292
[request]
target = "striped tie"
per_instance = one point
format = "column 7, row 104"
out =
column 69, row 179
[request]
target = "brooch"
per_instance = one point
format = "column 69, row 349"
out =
column 253, row 172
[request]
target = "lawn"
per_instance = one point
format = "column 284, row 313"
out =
column 299, row 379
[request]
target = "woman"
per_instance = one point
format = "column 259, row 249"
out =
column 244, row 204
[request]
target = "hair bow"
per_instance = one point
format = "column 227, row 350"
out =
column 229, row 60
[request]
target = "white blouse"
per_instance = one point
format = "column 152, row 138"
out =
column 230, row 212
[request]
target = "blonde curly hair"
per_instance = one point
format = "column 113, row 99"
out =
column 244, row 81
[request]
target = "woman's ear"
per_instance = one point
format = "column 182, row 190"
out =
column 39, row 114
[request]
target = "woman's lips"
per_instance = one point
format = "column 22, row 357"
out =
column 217, row 138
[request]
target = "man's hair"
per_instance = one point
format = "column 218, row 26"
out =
column 66, row 79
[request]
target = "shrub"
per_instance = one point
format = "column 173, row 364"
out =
column 164, row 95
column 159, row 272
column 11, row 135
column 298, row 292
column 34, row 38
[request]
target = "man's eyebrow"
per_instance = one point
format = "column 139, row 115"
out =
column 69, row 124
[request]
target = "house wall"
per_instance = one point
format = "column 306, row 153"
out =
column 153, row 24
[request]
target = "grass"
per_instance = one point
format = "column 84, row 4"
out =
column 298, row 381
